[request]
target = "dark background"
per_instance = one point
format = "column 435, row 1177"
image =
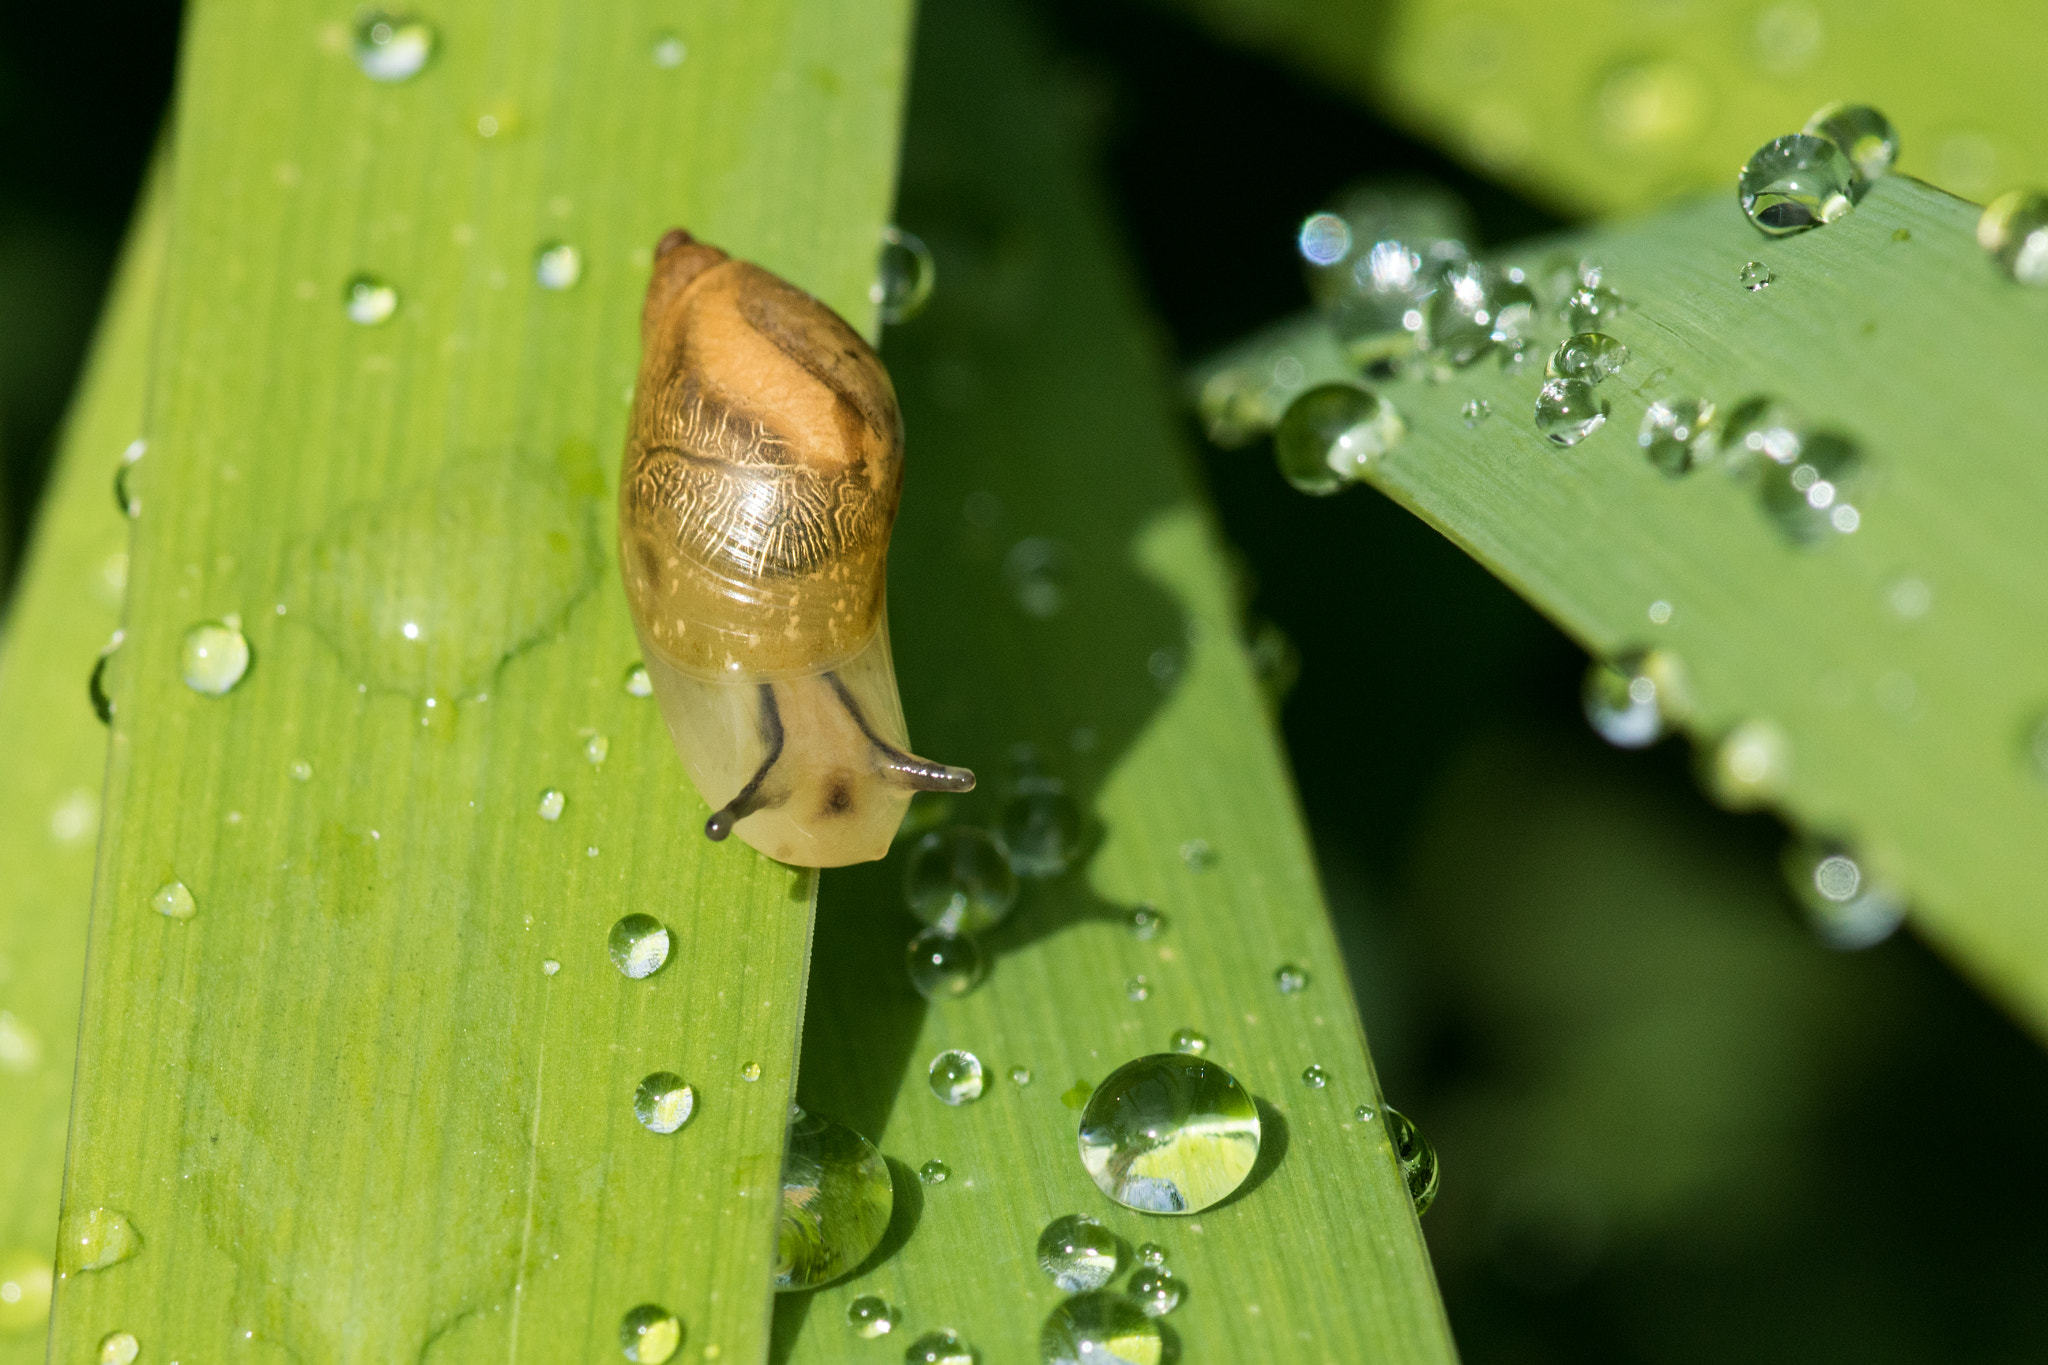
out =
column 1673, row 1125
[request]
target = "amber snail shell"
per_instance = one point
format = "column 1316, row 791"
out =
column 763, row 464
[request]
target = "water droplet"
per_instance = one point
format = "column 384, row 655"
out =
column 663, row 1103
column 1750, row 764
column 1788, row 37
column 26, row 1281
column 1568, row 411
column 836, row 1199
column 1189, row 1041
column 96, row 681
column 596, row 748
column 933, row 1172
column 1041, row 829
column 173, row 901
column 1169, row 1134
column 1152, row 1255
column 1076, row 1095
column 1865, row 136
column 549, row 966
column 1020, row 1075
column 1909, row 598
column 1290, row 979
column 1100, row 1329
column 125, row 496
column 370, row 301
column 301, row 770
column 1078, row 1252
column 870, row 1316
column 1036, row 570
column 1847, row 904
column 1331, row 434
column 551, row 803
column 1155, row 1290
column 1630, row 701
column 639, row 944
column 1587, row 301
column 941, row 1347
column 1755, row 276
column 93, row 1239
column 904, row 275
column 1473, row 308
column 751, row 1072
column 636, row 681
column 215, row 657
column 1372, row 262
column 959, row 880
column 1660, row 612
column 1797, row 182
column 1591, row 356
column 2014, row 229
column 1365, row 1113
column 1806, row 497
column 956, row 1076
column 119, row 1348
column 1475, row 411
column 1417, row 1158
column 20, row 1049
column 944, row 966
column 1676, row 434
column 1137, row 989
column 391, row 48
column 1145, row 922
column 557, row 265
column 649, row 1334
column 1197, row 856
column 668, row 51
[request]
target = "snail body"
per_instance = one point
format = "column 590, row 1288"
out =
column 763, row 463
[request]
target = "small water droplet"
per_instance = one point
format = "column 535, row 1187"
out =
column 663, row 1103
column 1098, row 1328
column 1587, row 300
column 96, row 682
column 1041, row 829
column 93, row 1239
column 837, row 1196
column 1036, row 570
column 649, row 1334
column 1677, row 434
column 1020, row 1075
column 1660, row 612
column 391, row 48
column 1152, row 1254
column 2014, row 229
column 1155, row 1290
column 1331, row 434
column 1365, row 1113
column 958, row 879
column 1568, row 411
column 119, row 1348
column 933, row 1172
column 636, row 680
column 941, row 1347
column 551, row 803
column 1473, row 308
column 549, row 966
column 1197, row 856
column 301, row 770
column 1630, row 701
column 1169, row 1134
column 639, row 945
column 1847, row 904
column 1189, row 1041
column 1865, row 136
column 1417, row 1158
column 1078, row 1253
column 125, row 496
column 668, row 51
column 215, row 657
column 1591, row 356
column 1145, row 922
column 955, row 1076
column 904, row 275
column 20, row 1049
column 1797, row 182
column 1314, row 1077
column 1756, row 276
column 751, row 1072
column 1475, row 411
column 596, row 748
column 1137, row 989
column 944, row 966
column 1750, row 764
column 370, row 302
column 173, row 901
column 1076, row 1095
column 870, row 1316
column 26, row 1281
column 1290, row 979
column 1909, row 598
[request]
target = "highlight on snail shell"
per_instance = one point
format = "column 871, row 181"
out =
column 763, row 464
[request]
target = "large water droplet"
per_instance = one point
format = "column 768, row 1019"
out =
column 1797, row 182
column 1155, row 1289
column 1417, row 1158
column 870, row 1316
column 1750, row 765
column 638, row 945
column 1568, row 411
column 1169, row 1134
column 1806, row 498
column 959, row 880
column 1100, row 1329
column 26, row 1280
column 369, row 301
column 1676, row 435
column 1041, row 828
column 1078, row 1252
column 1848, row 905
column 215, row 656
column 1331, row 434
column 119, row 1348
column 1591, row 356
column 1187, row 1040
column 1372, row 261
column 663, row 1103
column 173, row 901
column 836, row 1199
column 649, row 1334
column 944, row 966
column 941, row 1347
column 557, row 265
column 2014, row 229
column 390, row 48
column 1473, row 308
column 905, row 273
column 1289, row 979
column 1630, row 701
column 1865, row 136
column 956, row 1076
column 93, row 1239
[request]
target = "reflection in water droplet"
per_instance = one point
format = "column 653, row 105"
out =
column 26, row 1280
column 2014, row 229
column 933, row 1172
column 941, row 1347
column 370, row 301
column 215, row 657
column 663, row 1103
column 551, row 803
column 557, row 265
column 1314, row 1077
column 1591, row 356
column 1189, row 1041
column 1676, row 435
column 836, row 1199
column 1137, row 988
column 958, row 880
column 1749, row 766
column 1630, row 701
column 1041, row 829
column 1020, row 1075
column 93, row 1239
column 944, row 966
column 1036, row 570
column 1145, row 922
column 649, row 1334
column 1155, row 1290
column 390, row 48
column 1417, row 1158
column 1100, row 1329
column 1568, row 411
column 638, row 945
column 955, row 1076
column 870, row 1316
column 173, row 901
column 1474, row 307
column 904, row 275
column 1797, row 182
column 1475, row 411
column 1331, row 434
column 119, row 1348
column 1078, row 1252
column 1755, row 276
column 668, row 51
column 1865, row 136
column 1847, row 905
column 1169, row 1134
column 1290, row 979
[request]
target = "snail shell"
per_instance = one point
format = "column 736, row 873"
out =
column 763, row 464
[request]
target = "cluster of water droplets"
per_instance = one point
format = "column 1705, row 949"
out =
column 1567, row 408
column 1081, row 1257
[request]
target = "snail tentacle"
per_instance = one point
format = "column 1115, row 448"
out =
column 904, row 770
column 750, row 799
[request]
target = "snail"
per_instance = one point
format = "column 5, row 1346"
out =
column 764, row 458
